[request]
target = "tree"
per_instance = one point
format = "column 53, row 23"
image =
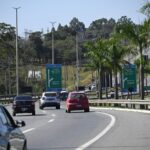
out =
column 98, row 24
column 97, row 54
column 138, row 35
column 117, row 53
column 7, row 55
column 76, row 26
column 7, row 36
column 145, row 9
column 62, row 32
column 37, row 44
column 65, row 50
column 102, row 27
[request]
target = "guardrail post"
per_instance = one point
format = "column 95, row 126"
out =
column 133, row 106
column 142, row 106
column 146, row 107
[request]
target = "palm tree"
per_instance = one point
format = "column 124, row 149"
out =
column 145, row 9
column 117, row 53
column 138, row 35
column 97, row 54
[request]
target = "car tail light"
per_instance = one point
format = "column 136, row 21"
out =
column 14, row 103
column 68, row 100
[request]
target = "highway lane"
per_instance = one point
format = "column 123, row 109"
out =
column 67, row 131
column 53, row 129
column 131, row 132
column 56, row 129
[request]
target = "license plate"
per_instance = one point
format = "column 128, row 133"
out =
column 23, row 109
column 78, row 106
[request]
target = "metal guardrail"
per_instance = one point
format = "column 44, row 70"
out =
column 3, row 102
column 121, row 103
column 134, row 104
column 8, row 100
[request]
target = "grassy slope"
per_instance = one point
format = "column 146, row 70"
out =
column 68, row 77
column 69, row 73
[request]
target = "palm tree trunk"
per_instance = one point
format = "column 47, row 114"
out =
column 141, row 75
column 106, row 92
column 116, row 85
column 142, row 81
column 99, row 84
column 139, row 78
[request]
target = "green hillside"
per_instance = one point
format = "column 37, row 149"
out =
column 69, row 77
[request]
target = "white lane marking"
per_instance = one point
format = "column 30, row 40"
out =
column 101, row 134
column 53, row 115
column 44, row 111
column 28, row 130
column 51, row 120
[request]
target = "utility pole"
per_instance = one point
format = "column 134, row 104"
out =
column 77, row 63
column 17, row 77
column 53, row 42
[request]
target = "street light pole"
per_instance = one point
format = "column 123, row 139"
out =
column 17, row 77
column 77, row 63
column 52, row 42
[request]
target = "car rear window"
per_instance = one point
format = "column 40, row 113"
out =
column 23, row 98
column 77, row 95
column 50, row 94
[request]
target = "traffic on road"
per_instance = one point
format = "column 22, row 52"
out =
column 53, row 129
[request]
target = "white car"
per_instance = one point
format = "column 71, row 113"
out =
column 93, row 87
column 49, row 99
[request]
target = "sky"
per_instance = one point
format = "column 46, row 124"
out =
column 37, row 15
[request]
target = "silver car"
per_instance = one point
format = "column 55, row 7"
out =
column 49, row 99
column 11, row 136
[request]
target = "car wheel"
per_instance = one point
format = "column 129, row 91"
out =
column 86, row 110
column 25, row 147
column 41, row 107
column 68, row 111
column 33, row 113
column 58, row 107
column 8, row 147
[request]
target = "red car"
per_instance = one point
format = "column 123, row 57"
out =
column 77, row 101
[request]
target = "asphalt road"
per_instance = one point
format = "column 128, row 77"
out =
column 98, row 129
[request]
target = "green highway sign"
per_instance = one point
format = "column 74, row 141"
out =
column 129, row 78
column 53, row 77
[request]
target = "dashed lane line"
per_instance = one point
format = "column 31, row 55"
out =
column 53, row 115
column 51, row 120
column 28, row 130
column 44, row 111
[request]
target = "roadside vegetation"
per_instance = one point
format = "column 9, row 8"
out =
column 103, row 48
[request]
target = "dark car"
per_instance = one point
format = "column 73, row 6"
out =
column 11, row 136
column 23, row 104
column 63, row 95
column 77, row 101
